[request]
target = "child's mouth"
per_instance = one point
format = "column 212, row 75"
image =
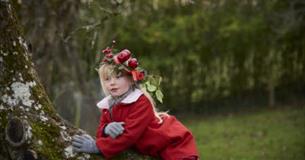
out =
column 114, row 89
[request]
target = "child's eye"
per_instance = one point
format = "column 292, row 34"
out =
column 119, row 75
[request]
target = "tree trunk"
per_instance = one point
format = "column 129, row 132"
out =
column 30, row 128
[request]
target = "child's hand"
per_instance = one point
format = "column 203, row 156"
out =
column 84, row 143
column 114, row 129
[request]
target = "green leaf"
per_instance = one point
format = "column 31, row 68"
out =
column 159, row 81
column 159, row 96
column 151, row 88
column 147, row 83
column 154, row 81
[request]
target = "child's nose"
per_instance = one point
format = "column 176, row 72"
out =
column 112, row 80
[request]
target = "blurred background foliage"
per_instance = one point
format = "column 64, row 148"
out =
column 241, row 58
column 214, row 55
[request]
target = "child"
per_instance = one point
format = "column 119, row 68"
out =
column 129, row 118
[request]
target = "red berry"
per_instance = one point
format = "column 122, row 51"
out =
column 137, row 75
column 140, row 76
column 124, row 55
column 109, row 55
column 105, row 60
column 107, row 50
column 133, row 63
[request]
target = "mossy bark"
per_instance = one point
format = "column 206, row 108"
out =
column 30, row 128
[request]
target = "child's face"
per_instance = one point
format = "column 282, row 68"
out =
column 117, row 85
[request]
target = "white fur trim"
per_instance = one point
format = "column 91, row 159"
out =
column 132, row 97
column 103, row 104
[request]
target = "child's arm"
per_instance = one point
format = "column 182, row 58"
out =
column 114, row 129
column 103, row 122
column 84, row 143
column 139, row 118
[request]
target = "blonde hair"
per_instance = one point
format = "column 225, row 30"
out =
column 107, row 70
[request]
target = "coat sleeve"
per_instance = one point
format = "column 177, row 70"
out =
column 141, row 114
column 104, row 120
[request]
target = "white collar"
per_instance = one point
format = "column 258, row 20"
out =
column 132, row 97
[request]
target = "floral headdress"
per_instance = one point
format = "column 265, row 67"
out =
column 124, row 61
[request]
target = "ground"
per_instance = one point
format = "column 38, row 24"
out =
column 268, row 134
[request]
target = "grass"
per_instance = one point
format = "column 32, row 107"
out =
column 277, row 134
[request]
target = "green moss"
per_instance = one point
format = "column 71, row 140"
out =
column 43, row 99
column 49, row 136
column 3, row 121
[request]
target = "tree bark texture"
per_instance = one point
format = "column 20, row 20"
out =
column 30, row 128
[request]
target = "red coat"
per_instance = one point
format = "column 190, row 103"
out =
column 170, row 140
